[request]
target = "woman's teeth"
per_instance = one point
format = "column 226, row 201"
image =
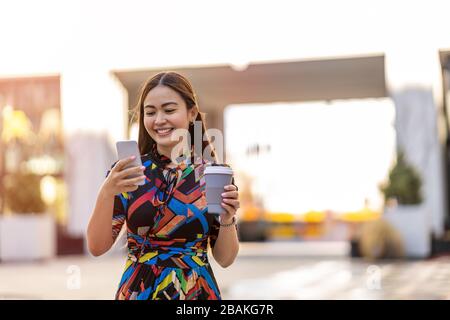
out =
column 164, row 131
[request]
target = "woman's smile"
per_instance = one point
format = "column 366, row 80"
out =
column 164, row 131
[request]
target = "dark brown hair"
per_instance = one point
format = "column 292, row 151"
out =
column 183, row 87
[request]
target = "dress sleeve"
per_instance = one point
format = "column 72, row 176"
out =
column 119, row 210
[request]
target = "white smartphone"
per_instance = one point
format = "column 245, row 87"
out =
column 126, row 149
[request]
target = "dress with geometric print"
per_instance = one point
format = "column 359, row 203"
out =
column 168, row 231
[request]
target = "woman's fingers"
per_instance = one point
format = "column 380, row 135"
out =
column 228, row 208
column 132, row 181
column 120, row 180
column 130, row 188
column 122, row 163
column 230, row 194
column 131, row 171
column 232, row 202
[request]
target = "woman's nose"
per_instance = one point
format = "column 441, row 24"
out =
column 160, row 118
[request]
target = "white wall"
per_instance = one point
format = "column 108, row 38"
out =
column 94, row 111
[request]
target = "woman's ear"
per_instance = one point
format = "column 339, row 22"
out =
column 194, row 113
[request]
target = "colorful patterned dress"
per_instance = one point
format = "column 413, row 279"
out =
column 168, row 231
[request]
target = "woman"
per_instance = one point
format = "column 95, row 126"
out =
column 167, row 222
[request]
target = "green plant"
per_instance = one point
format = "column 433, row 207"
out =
column 404, row 183
column 23, row 193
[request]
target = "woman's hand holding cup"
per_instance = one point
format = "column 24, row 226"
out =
column 230, row 203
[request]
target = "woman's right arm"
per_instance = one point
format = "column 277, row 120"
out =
column 99, row 231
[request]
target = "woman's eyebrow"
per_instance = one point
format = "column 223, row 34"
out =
column 163, row 105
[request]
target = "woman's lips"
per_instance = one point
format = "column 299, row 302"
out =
column 164, row 132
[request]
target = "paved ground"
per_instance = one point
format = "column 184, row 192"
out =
column 261, row 271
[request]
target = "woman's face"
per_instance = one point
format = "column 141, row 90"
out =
column 165, row 109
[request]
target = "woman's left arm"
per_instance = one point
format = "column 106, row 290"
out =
column 226, row 247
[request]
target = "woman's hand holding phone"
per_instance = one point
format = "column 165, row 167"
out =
column 118, row 180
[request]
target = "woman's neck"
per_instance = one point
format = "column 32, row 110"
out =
column 166, row 151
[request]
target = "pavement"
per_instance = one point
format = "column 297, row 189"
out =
column 271, row 270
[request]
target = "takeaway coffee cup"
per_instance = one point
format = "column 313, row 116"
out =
column 217, row 176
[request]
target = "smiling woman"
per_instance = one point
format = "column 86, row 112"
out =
column 160, row 120
column 167, row 221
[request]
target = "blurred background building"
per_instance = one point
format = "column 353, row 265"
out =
column 314, row 100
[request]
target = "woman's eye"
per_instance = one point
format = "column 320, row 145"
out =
column 152, row 113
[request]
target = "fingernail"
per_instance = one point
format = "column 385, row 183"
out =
column 142, row 167
column 133, row 157
column 223, row 194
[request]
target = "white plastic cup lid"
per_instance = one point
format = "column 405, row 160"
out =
column 218, row 170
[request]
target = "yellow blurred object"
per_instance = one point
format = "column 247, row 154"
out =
column 15, row 124
column 48, row 189
column 363, row 215
column 313, row 230
column 286, row 217
column 313, row 217
column 250, row 213
column 282, row 232
column 281, row 217
column 50, row 124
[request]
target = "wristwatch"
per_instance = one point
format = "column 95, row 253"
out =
column 232, row 223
